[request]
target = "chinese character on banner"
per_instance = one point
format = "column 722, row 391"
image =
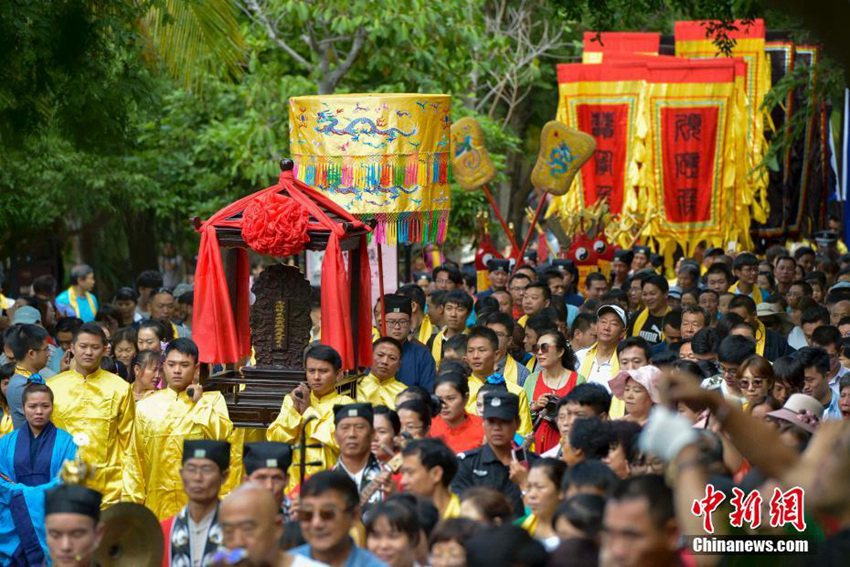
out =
column 745, row 509
column 688, row 126
column 687, row 165
column 604, row 179
column 787, row 508
column 603, row 159
column 706, row 506
column 602, row 124
column 686, row 201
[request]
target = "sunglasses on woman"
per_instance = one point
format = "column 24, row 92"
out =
column 745, row 384
column 542, row 348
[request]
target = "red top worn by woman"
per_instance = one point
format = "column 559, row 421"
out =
column 468, row 435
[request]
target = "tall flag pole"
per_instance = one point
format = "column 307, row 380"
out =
column 845, row 166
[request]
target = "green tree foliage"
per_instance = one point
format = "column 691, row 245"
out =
column 192, row 37
column 119, row 121
column 69, row 92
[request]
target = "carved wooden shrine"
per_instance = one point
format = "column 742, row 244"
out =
column 279, row 319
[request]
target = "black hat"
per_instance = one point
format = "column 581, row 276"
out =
column 496, row 264
column 642, row 250
column 266, row 455
column 501, row 405
column 712, row 251
column 826, row 237
column 73, row 499
column 216, row 451
column 353, row 410
column 394, row 303
column 563, row 263
column 624, row 256
column 656, row 260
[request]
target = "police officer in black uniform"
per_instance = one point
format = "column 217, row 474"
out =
column 489, row 465
column 496, row 266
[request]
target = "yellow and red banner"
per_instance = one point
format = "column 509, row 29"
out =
column 604, row 101
column 690, row 166
column 693, row 41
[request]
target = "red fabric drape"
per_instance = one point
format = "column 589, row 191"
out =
column 336, row 305
column 364, row 317
column 225, row 338
column 213, row 326
column 336, row 293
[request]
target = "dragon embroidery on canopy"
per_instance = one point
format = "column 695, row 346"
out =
column 327, row 123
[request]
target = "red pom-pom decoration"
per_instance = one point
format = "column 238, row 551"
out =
column 275, row 225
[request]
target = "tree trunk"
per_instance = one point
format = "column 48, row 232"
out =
column 326, row 86
column 141, row 242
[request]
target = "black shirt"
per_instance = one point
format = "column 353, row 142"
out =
column 481, row 467
column 775, row 346
column 651, row 331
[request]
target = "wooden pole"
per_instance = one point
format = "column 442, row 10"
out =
column 528, row 236
column 381, row 289
column 499, row 216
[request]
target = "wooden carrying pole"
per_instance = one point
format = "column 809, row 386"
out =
column 381, row 289
column 501, row 219
column 530, row 233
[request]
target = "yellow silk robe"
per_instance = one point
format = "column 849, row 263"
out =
column 287, row 429
column 426, row 329
column 525, row 425
column 6, row 423
column 370, row 389
column 237, row 439
column 437, row 347
column 101, row 406
column 163, row 421
column 453, row 509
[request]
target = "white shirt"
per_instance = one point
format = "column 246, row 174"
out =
column 301, row 561
column 554, row 452
column 356, row 477
column 198, row 537
column 718, row 383
column 600, row 373
column 797, row 339
column 834, row 382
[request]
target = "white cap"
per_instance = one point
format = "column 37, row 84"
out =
column 616, row 309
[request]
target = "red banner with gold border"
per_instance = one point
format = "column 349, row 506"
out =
column 693, row 41
column 691, row 149
column 604, row 101
column 689, row 145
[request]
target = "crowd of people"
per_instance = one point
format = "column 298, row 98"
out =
column 549, row 419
